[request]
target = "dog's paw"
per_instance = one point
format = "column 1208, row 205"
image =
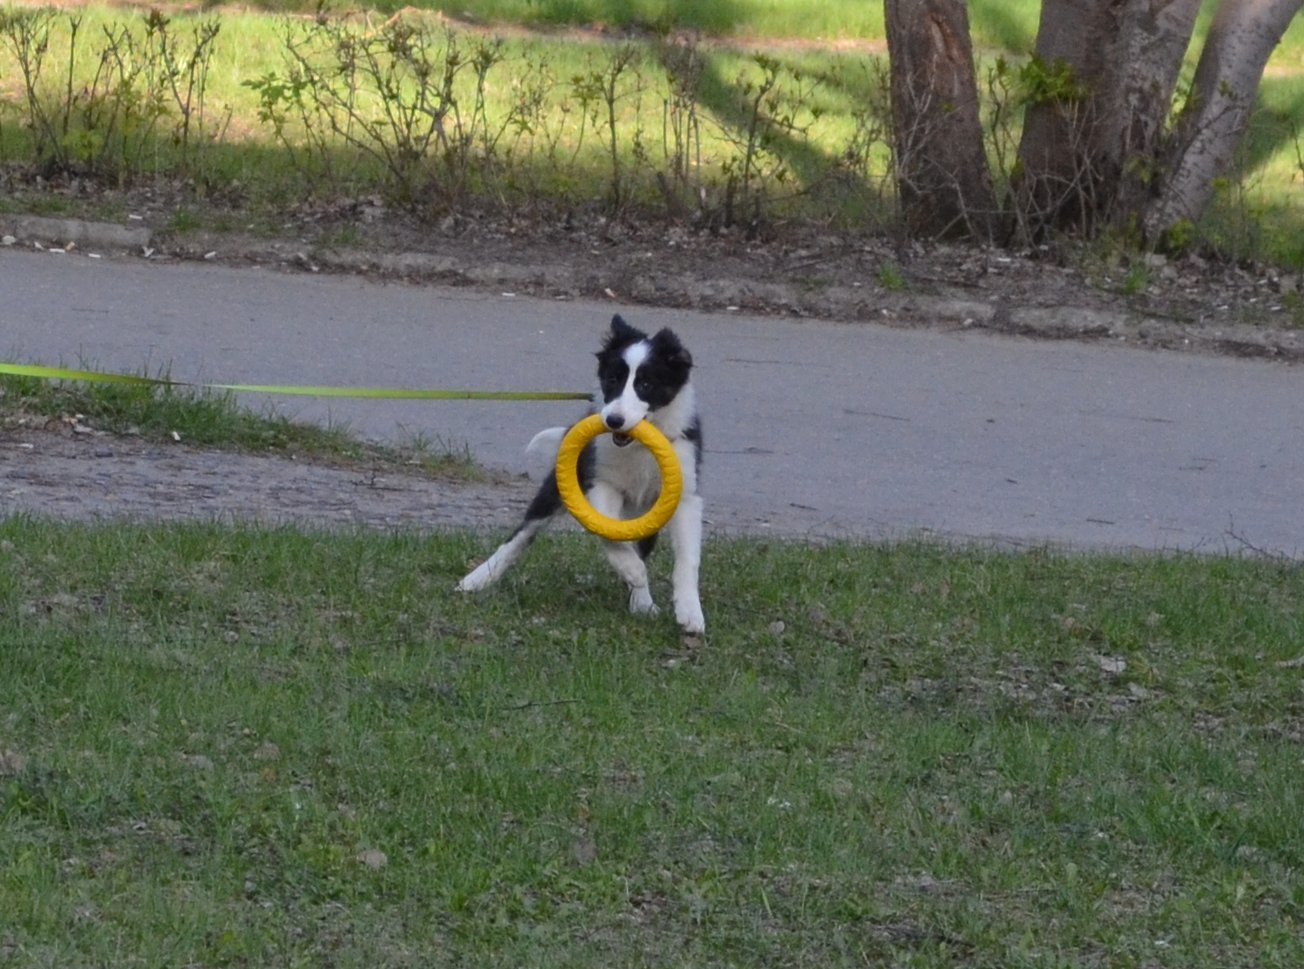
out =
column 477, row 579
column 641, row 604
column 690, row 618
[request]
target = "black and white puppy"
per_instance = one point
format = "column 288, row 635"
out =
column 640, row 377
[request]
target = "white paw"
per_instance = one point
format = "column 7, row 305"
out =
column 641, row 604
column 479, row 579
column 690, row 618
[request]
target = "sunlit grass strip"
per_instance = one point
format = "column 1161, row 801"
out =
column 205, row 418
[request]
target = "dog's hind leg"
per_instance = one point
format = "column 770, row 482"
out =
column 505, row 556
column 686, row 538
column 624, row 556
column 546, row 503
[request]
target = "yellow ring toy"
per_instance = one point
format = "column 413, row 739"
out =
column 618, row 529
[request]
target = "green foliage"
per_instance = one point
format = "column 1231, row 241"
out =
column 775, row 108
column 1179, row 236
column 148, row 85
column 1137, row 279
column 1053, row 83
column 598, row 92
column 1295, row 304
column 891, row 278
column 392, row 94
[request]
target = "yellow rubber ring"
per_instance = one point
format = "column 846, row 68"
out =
column 618, row 529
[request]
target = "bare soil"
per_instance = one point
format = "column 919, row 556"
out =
column 48, row 472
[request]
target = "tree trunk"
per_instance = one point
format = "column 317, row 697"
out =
column 1101, row 85
column 1135, row 95
column 943, row 179
column 1214, row 119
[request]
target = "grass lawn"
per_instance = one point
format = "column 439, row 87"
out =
column 225, row 746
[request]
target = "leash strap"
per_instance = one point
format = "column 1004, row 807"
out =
column 372, row 393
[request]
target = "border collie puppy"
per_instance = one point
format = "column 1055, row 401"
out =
column 640, row 377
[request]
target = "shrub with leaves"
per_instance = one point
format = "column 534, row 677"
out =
column 393, row 94
column 144, row 97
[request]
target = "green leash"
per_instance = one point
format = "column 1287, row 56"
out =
column 372, row 393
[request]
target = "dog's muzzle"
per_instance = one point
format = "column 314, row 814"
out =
column 614, row 424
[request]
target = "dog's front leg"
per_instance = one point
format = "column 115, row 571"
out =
column 623, row 556
column 686, row 540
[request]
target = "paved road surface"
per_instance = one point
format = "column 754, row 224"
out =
column 811, row 428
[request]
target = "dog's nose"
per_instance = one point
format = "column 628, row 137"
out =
column 615, row 421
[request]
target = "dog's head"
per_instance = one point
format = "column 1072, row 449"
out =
column 639, row 374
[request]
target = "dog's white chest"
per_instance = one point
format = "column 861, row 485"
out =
column 631, row 470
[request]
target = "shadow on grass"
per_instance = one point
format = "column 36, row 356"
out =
column 1276, row 121
column 1010, row 27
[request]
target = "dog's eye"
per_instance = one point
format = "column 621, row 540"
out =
column 641, row 384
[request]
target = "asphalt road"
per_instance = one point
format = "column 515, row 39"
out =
column 812, row 428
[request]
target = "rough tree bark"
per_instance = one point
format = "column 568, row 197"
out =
column 1097, row 148
column 943, row 179
column 1136, row 94
column 1108, row 70
column 1214, row 118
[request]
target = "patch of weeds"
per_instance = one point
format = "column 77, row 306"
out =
column 1294, row 304
column 1137, row 279
column 891, row 277
column 430, row 454
column 344, row 236
column 44, row 203
column 410, row 98
column 185, row 220
column 145, row 91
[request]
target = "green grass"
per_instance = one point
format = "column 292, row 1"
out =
column 210, row 418
column 236, row 747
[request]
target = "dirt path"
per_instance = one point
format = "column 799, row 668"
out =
column 90, row 477
column 102, row 477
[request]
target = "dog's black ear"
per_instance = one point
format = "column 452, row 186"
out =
column 667, row 346
column 621, row 335
column 623, row 332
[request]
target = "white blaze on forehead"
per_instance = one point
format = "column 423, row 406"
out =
column 628, row 406
column 635, row 354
